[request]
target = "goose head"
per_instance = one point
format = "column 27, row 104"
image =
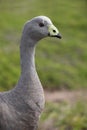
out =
column 40, row 27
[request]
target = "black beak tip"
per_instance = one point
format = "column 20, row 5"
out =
column 59, row 36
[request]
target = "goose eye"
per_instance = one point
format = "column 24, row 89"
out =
column 41, row 24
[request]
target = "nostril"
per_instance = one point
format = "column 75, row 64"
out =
column 54, row 31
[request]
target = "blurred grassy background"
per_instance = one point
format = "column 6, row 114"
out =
column 64, row 116
column 60, row 63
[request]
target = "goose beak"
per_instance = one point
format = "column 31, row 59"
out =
column 58, row 36
column 53, row 31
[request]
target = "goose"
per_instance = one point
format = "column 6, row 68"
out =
column 21, row 107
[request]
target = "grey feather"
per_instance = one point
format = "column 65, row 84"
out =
column 21, row 107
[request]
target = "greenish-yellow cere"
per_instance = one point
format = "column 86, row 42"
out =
column 52, row 30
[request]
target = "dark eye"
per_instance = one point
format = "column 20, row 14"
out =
column 54, row 31
column 41, row 24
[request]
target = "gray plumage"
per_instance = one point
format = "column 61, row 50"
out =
column 20, row 108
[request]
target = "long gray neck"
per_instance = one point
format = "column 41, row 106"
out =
column 27, row 54
column 28, row 69
column 29, row 85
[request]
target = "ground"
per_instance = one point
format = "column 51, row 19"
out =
column 65, row 95
column 65, row 110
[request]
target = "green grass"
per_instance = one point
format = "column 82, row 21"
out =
column 63, row 116
column 60, row 63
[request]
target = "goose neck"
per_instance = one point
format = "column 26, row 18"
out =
column 27, row 55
